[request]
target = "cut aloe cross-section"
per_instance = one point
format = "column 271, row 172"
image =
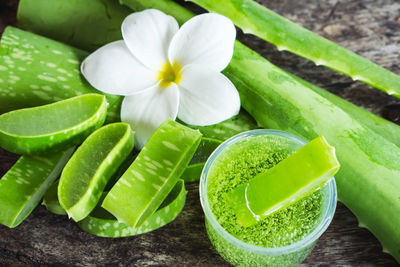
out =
column 91, row 167
column 157, row 168
column 299, row 175
column 50, row 200
column 24, row 185
column 102, row 223
column 53, row 126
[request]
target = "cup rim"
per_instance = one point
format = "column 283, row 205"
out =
column 309, row 239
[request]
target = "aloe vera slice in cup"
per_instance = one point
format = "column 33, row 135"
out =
column 53, row 126
column 157, row 168
column 50, row 200
column 297, row 176
column 90, row 168
column 102, row 223
column 24, row 185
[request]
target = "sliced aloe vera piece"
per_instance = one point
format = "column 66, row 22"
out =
column 50, row 200
column 53, row 126
column 101, row 223
column 91, row 167
column 297, row 176
column 157, row 168
column 36, row 71
column 24, row 185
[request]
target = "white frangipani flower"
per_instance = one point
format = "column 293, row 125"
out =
column 166, row 72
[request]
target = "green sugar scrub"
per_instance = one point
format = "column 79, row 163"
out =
column 280, row 239
column 237, row 165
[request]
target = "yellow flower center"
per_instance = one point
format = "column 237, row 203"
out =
column 169, row 74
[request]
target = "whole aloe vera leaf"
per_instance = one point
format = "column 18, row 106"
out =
column 155, row 171
column 77, row 26
column 91, row 167
column 36, row 71
column 54, row 126
column 256, row 19
column 24, row 185
column 368, row 182
column 299, row 175
column 102, row 223
column 50, row 200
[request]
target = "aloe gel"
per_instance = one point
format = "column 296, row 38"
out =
column 157, row 168
column 91, row 167
column 53, row 126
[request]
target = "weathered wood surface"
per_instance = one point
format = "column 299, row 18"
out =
column 368, row 27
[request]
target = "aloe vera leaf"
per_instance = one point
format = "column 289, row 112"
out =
column 193, row 172
column 383, row 127
column 54, row 126
column 24, row 185
column 102, row 223
column 77, row 27
column 36, row 71
column 256, row 19
column 228, row 128
column 91, row 167
column 206, row 147
column 157, row 168
column 297, row 176
column 50, row 200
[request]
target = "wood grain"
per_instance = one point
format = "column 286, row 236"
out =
column 368, row 27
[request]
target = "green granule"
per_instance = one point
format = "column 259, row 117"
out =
column 240, row 163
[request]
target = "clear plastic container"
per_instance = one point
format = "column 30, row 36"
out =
column 240, row 253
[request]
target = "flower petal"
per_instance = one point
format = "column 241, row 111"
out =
column 112, row 69
column 206, row 39
column 206, row 97
column 146, row 111
column 148, row 34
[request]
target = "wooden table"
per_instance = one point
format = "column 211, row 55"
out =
column 368, row 27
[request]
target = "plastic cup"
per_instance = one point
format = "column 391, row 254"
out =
column 240, row 253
